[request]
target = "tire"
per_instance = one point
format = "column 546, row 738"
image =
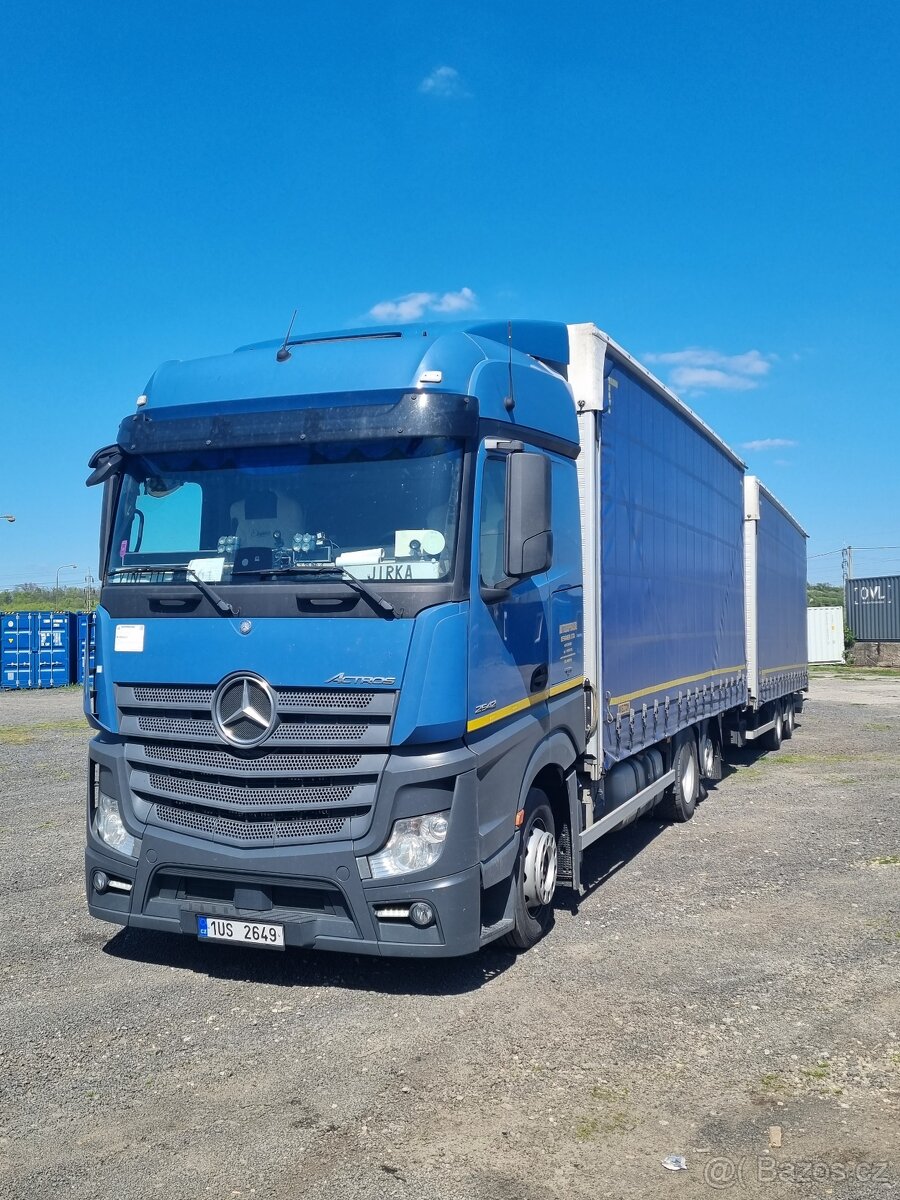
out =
column 771, row 739
column 535, row 879
column 787, row 720
column 680, row 799
column 707, row 757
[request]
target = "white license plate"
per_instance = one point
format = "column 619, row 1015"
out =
column 248, row 933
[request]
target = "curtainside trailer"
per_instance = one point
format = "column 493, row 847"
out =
column 395, row 623
column 776, row 633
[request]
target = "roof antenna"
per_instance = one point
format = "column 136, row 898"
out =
column 510, row 402
column 283, row 352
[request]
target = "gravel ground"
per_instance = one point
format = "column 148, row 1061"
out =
column 720, row 978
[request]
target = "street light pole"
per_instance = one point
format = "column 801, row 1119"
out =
column 64, row 567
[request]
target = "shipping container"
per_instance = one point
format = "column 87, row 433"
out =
column 85, row 642
column 825, row 634
column 18, row 653
column 873, row 608
column 54, row 649
column 775, row 596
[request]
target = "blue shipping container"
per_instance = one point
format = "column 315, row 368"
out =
column 85, row 642
column 18, row 651
column 54, row 650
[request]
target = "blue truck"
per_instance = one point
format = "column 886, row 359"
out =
column 396, row 622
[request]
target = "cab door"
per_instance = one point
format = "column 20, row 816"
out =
column 508, row 646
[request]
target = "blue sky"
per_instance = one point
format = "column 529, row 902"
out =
column 716, row 185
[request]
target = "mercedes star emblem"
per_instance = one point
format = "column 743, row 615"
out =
column 244, row 710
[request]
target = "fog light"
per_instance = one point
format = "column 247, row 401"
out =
column 421, row 914
column 100, row 880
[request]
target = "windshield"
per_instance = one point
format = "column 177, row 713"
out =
column 381, row 510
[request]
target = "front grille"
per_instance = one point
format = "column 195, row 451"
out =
column 260, row 796
column 314, row 778
column 226, row 760
column 251, row 828
column 174, row 695
column 303, row 699
column 295, row 731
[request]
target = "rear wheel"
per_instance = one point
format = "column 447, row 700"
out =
column 536, row 872
column 707, row 757
column 787, row 729
column 680, row 799
column 771, row 739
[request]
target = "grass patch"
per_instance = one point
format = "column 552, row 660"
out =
column 878, row 727
column 614, row 1115
column 845, row 671
column 792, row 760
column 774, row 1084
column 22, row 735
column 754, row 772
column 820, row 1071
column 886, row 860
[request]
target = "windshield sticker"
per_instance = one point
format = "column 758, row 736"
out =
column 130, row 639
column 208, row 569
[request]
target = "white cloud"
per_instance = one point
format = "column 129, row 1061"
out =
column 768, row 444
column 444, row 82
column 416, row 304
column 696, row 369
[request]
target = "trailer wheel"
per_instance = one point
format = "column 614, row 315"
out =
column 771, row 739
column 787, row 724
column 707, row 756
column 680, row 799
column 535, row 880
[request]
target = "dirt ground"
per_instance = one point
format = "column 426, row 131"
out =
column 726, row 990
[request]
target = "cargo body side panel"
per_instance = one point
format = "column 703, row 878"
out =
column 781, row 638
column 671, row 562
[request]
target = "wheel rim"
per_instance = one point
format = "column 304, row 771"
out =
column 539, row 883
column 689, row 778
column 779, row 726
column 709, row 757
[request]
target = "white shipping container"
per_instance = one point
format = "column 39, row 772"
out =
column 825, row 634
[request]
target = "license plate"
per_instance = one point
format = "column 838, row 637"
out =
column 247, row 933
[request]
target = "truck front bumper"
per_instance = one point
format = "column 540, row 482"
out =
column 316, row 893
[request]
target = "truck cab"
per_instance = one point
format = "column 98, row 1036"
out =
column 338, row 690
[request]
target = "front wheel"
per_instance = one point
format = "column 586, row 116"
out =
column 536, row 870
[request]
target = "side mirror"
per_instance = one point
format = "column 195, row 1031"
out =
column 106, row 468
column 529, row 538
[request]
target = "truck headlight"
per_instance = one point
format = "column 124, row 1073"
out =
column 110, row 827
column 415, row 843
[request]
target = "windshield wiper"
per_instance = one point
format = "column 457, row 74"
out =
column 191, row 576
column 335, row 572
